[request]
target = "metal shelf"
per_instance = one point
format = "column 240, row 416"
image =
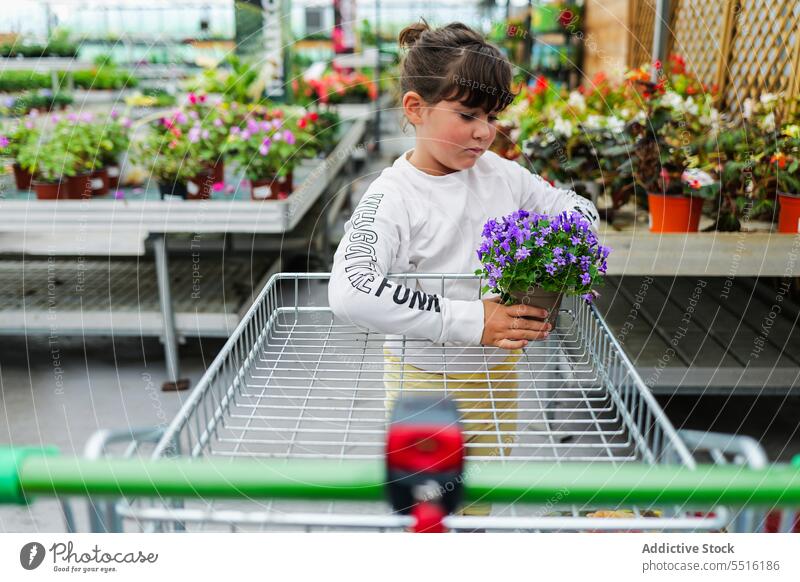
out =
column 96, row 297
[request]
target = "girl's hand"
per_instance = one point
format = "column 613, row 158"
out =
column 505, row 326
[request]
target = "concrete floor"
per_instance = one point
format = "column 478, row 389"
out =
column 60, row 393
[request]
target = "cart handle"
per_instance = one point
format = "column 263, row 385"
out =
column 25, row 472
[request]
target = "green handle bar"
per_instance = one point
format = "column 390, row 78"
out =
column 25, row 472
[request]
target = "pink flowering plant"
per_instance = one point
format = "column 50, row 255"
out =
column 15, row 135
column 555, row 253
column 168, row 156
column 264, row 148
column 114, row 138
column 207, row 125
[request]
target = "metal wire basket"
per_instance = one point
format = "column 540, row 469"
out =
column 293, row 382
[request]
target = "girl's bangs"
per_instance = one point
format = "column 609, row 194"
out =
column 480, row 80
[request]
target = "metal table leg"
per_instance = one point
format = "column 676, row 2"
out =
column 169, row 336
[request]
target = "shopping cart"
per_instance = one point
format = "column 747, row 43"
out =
column 287, row 430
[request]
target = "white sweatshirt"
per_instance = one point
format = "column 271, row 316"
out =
column 412, row 222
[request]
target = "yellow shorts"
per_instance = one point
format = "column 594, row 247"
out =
column 487, row 401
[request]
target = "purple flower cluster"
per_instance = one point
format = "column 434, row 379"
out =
column 266, row 131
column 556, row 252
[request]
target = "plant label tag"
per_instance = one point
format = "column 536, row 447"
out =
column 262, row 192
column 172, row 197
column 113, row 171
column 192, row 188
column 650, row 221
column 96, row 183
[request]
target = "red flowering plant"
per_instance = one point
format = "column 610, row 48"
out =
column 339, row 87
column 320, row 127
column 784, row 162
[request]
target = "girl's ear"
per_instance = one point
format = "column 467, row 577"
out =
column 413, row 104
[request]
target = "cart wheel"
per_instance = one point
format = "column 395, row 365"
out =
column 178, row 386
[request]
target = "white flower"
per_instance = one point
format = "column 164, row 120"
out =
column 712, row 119
column 768, row 123
column 577, row 102
column 768, row 98
column 514, row 134
column 672, row 100
column 593, row 122
column 747, row 108
column 697, row 178
column 547, row 138
column 614, row 124
column 690, row 106
column 563, row 127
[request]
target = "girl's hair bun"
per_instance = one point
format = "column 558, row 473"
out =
column 455, row 62
column 411, row 33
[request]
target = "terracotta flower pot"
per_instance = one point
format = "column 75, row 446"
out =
column 199, row 187
column 171, row 190
column 218, row 172
column 538, row 297
column 789, row 214
column 271, row 188
column 51, row 190
column 674, row 213
column 80, row 186
column 113, row 175
column 99, row 182
column 22, row 177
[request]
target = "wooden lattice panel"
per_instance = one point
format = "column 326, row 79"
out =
column 700, row 33
column 765, row 45
column 640, row 24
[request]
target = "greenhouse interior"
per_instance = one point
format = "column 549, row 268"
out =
column 237, row 236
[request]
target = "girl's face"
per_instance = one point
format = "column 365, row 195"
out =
column 450, row 136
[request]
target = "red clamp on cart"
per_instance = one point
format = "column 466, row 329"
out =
column 425, row 460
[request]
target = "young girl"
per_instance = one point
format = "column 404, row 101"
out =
column 425, row 214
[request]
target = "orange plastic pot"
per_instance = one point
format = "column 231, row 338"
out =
column 674, row 213
column 789, row 215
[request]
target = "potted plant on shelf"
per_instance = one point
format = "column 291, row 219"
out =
column 666, row 145
column 113, row 142
column 267, row 152
column 343, row 87
column 78, row 134
column 318, row 129
column 15, row 137
column 785, row 166
column 207, row 126
column 536, row 259
column 168, row 157
column 51, row 165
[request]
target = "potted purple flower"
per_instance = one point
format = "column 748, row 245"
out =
column 536, row 259
column 267, row 152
